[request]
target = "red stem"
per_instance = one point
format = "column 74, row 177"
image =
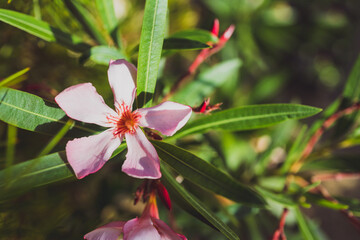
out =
column 279, row 234
column 327, row 124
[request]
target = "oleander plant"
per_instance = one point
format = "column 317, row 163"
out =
column 174, row 120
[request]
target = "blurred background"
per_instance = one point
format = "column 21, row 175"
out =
column 281, row 51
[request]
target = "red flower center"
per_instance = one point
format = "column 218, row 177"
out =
column 126, row 122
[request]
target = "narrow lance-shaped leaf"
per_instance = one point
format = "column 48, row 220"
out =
column 151, row 41
column 352, row 88
column 172, row 45
column 34, row 173
column 107, row 14
column 304, row 225
column 196, row 205
column 13, row 78
column 338, row 164
column 183, row 44
column 248, row 117
column 351, row 95
column 42, row 30
column 197, row 35
column 30, row 112
column 102, row 55
column 87, row 21
column 38, row 172
column 206, row 175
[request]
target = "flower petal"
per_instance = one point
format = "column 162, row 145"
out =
column 167, row 117
column 109, row 231
column 88, row 154
column 140, row 229
column 82, row 102
column 165, row 231
column 142, row 160
column 122, row 77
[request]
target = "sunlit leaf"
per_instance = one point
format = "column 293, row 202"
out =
column 33, row 113
column 107, row 14
column 248, row 117
column 151, row 41
column 102, row 55
column 321, row 201
column 42, row 30
column 10, row 80
column 195, row 204
column 207, row 82
column 87, row 21
column 206, row 175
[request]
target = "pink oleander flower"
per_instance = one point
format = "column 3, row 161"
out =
column 147, row 227
column 88, row 154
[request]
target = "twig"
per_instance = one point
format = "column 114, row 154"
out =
column 279, row 234
column 307, row 151
column 203, row 55
column 316, row 136
column 325, row 193
column 334, row 176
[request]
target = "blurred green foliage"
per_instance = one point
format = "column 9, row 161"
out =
column 291, row 51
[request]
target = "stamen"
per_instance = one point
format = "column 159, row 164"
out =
column 126, row 121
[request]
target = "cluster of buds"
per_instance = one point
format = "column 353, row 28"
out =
column 148, row 225
column 205, row 107
column 215, row 46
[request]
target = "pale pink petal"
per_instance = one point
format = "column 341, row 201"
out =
column 140, row 229
column 142, row 160
column 110, row 231
column 88, row 154
column 165, row 231
column 82, row 102
column 167, row 117
column 122, row 77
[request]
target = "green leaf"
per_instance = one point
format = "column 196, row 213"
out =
column 56, row 139
column 102, row 55
column 87, row 21
column 10, row 145
column 151, row 41
column 351, row 92
column 206, row 175
column 196, row 35
column 207, row 81
column 34, row 173
column 38, row 172
column 107, row 14
column 248, row 117
column 195, row 204
column 283, row 199
column 352, row 203
column 183, row 44
column 321, row 201
column 304, row 225
column 42, row 30
column 351, row 95
column 10, row 80
column 333, row 164
column 33, row 113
